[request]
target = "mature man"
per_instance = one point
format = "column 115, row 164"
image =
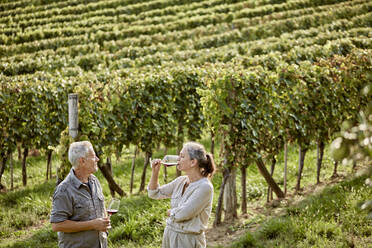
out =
column 78, row 213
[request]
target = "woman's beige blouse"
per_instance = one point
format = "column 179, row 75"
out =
column 190, row 211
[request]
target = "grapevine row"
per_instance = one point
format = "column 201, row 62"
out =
column 241, row 48
column 101, row 37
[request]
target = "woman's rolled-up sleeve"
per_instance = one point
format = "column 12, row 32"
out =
column 164, row 191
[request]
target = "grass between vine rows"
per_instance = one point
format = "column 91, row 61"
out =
column 330, row 218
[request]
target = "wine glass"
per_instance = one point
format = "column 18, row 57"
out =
column 168, row 160
column 113, row 206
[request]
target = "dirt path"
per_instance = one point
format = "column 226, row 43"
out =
column 228, row 232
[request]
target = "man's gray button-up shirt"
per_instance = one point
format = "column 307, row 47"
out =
column 74, row 200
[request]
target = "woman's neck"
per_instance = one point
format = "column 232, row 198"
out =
column 194, row 176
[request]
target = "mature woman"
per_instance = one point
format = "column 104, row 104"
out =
column 191, row 197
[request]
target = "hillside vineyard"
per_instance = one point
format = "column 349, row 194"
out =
column 259, row 72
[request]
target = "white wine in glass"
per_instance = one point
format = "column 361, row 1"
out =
column 168, row 160
column 113, row 206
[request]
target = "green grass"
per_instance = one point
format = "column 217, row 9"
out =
column 331, row 218
column 137, row 226
column 24, row 219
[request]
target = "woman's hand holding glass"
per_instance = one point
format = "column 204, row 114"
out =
column 155, row 164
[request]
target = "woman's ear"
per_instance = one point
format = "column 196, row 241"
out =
column 194, row 162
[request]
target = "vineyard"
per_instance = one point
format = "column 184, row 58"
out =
column 256, row 77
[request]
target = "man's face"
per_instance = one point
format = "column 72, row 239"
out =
column 90, row 162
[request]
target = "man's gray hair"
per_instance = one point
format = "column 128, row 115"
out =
column 78, row 150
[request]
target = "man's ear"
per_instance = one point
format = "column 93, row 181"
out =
column 81, row 160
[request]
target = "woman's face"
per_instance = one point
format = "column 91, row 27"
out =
column 184, row 162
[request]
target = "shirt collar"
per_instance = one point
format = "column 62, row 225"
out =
column 74, row 180
column 199, row 181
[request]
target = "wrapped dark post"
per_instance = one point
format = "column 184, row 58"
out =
column 73, row 119
column 73, row 125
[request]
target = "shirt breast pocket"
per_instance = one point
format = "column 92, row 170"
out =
column 100, row 196
column 100, row 201
column 81, row 210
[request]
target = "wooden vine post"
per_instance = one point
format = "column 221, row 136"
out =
column 73, row 125
column 73, row 115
